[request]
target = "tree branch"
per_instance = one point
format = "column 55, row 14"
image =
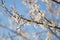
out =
column 15, row 32
column 56, row 1
column 56, row 27
column 30, row 20
column 54, row 33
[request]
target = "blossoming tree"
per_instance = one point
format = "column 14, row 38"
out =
column 42, row 16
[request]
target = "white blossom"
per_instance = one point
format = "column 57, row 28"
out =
column 49, row 36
